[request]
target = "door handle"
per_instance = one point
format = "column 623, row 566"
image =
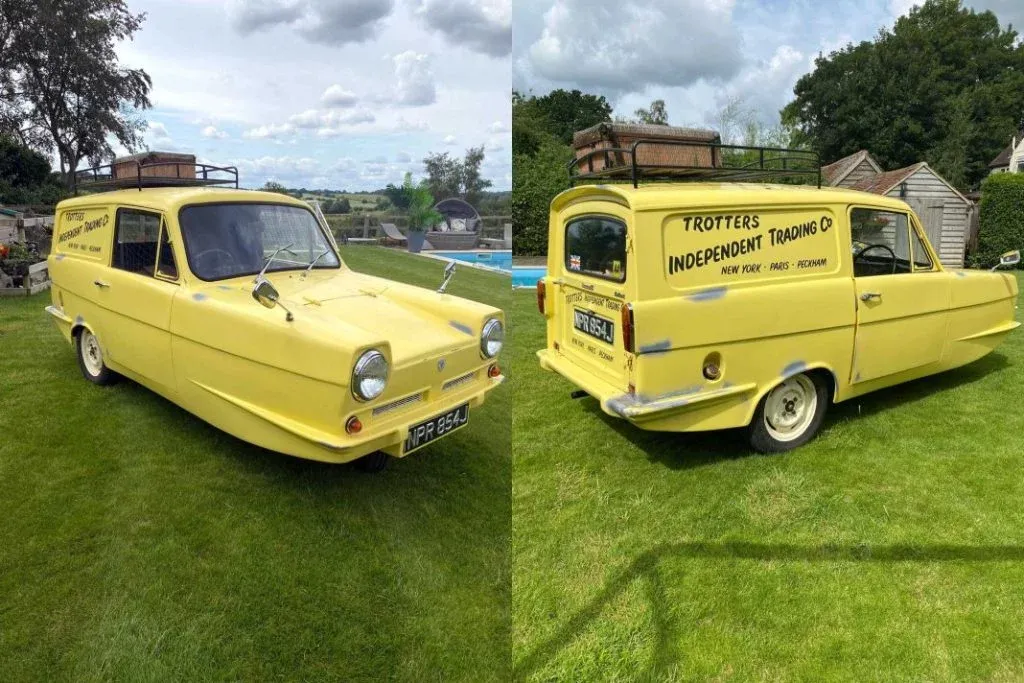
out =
column 101, row 284
column 868, row 296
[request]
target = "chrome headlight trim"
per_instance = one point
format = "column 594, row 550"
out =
column 492, row 338
column 370, row 375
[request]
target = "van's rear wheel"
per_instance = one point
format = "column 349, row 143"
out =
column 374, row 462
column 790, row 414
column 90, row 359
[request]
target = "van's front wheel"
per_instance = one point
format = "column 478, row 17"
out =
column 90, row 359
column 790, row 414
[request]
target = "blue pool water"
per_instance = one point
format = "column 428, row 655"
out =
column 495, row 259
column 527, row 276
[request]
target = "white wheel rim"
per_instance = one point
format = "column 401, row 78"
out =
column 790, row 407
column 92, row 357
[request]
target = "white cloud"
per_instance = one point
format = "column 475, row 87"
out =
column 336, row 96
column 415, row 79
column 213, row 132
column 449, row 140
column 328, row 22
column 271, row 131
column 614, row 45
column 498, row 127
column 482, row 25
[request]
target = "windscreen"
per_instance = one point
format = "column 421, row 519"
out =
column 230, row 240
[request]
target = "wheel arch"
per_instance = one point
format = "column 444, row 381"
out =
column 818, row 369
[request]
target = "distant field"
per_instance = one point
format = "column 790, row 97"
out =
column 359, row 202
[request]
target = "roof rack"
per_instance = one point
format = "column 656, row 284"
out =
column 652, row 160
column 185, row 174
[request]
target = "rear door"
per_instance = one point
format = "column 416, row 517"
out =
column 592, row 274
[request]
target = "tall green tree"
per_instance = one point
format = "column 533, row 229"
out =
column 656, row 114
column 559, row 113
column 61, row 86
column 943, row 85
column 451, row 177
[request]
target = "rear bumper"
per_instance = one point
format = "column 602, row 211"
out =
column 637, row 408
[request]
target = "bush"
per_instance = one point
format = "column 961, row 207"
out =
column 536, row 180
column 1002, row 218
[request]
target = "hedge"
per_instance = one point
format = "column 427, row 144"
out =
column 536, row 180
column 1002, row 218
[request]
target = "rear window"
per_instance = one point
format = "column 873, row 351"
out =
column 596, row 246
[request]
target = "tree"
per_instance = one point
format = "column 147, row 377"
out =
column 448, row 177
column 397, row 196
column 941, row 86
column 421, row 211
column 536, row 180
column 60, row 81
column 25, row 176
column 559, row 113
column 274, row 186
column 655, row 115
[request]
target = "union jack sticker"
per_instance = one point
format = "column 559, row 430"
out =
column 574, row 262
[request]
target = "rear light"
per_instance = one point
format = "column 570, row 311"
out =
column 353, row 426
column 628, row 336
column 494, row 371
column 541, row 293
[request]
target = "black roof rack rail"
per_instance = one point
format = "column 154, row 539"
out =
column 724, row 163
column 196, row 175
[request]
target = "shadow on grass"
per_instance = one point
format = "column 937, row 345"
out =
column 645, row 568
column 682, row 450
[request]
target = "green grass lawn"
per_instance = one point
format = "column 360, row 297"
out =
column 139, row 543
column 890, row 548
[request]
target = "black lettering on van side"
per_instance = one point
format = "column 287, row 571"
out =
column 709, row 255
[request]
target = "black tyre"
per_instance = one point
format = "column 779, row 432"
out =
column 374, row 462
column 90, row 359
column 790, row 415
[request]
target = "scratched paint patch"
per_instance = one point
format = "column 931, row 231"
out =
column 794, row 368
column 710, row 294
column 199, row 296
column 460, row 327
column 657, row 347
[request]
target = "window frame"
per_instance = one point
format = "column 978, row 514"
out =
column 188, row 255
column 117, row 231
column 625, row 255
column 918, row 229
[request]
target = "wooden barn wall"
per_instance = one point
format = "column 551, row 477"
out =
column 859, row 172
column 924, row 185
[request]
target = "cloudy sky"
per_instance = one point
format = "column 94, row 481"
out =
column 342, row 94
column 696, row 55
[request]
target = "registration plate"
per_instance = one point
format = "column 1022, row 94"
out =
column 594, row 325
column 430, row 430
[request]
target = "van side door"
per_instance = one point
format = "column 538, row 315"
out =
column 902, row 295
column 137, row 291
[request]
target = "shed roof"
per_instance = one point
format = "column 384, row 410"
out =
column 883, row 183
column 1004, row 157
column 835, row 172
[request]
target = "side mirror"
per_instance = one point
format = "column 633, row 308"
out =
column 449, row 273
column 1008, row 260
column 267, row 295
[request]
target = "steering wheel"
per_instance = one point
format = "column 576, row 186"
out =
column 868, row 247
column 217, row 254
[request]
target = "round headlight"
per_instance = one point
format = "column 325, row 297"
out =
column 370, row 376
column 492, row 338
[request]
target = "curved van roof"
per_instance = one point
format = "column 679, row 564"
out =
column 172, row 198
column 656, row 196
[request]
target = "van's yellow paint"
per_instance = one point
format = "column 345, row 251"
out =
column 212, row 349
column 760, row 279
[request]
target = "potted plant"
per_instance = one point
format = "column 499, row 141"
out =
column 421, row 212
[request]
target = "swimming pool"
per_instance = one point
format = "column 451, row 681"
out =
column 496, row 258
column 527, row 276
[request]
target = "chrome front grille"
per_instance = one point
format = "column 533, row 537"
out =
column 458, row 381
column 395, row 405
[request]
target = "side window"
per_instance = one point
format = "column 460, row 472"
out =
column 136, row 237
column 881, row 242
column 165, row 265
column 922, row 261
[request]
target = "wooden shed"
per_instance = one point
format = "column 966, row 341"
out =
column 943, row 210
column 675, row 151
column 176, row 166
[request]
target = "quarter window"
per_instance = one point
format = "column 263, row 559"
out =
column 165, row 265
column 596, row 246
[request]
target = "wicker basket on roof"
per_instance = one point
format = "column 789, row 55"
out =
column 623, row 135
column 176, row 166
